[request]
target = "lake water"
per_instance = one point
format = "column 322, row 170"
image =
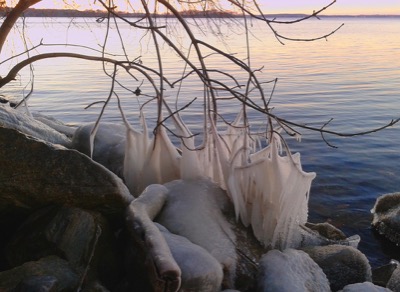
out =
column 352, row 77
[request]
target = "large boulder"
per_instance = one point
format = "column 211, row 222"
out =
column 36, row 173
column 291, row 271
column 343, row 265
column 386, row 218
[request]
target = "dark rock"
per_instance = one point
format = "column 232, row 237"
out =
column 82, row 238
column 51, row 268
column 291, row 270
column 394, row 281
column 386, row 218
column 381, row 275
column 34, row 173
column 327, row 230
column 38, row 284
column 343, row 265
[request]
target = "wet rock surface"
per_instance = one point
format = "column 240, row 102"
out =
column 394, row 281
column 36, row 173
column 386, row 218
column 343, row 265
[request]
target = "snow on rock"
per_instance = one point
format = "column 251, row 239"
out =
column 200, row 271
column 193, row 210
column 25, row 123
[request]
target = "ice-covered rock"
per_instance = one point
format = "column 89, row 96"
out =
column 291, row 271
column 386, row 218
column 109, row 144
column 24, row 123
column 151, row 265
column 201, row 272
column 194, row 209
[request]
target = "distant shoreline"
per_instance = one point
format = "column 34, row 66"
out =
column 32, row 12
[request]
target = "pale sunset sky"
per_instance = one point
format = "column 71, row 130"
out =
column 351, row 7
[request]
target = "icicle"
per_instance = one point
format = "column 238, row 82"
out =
column 136, row 151
column 163, row 161
column 271, row 194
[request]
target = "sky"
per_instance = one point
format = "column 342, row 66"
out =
column 350, row 7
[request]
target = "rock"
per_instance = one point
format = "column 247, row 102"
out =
column 34, row 173
column 343, row 265
column 38, row 284
column 364, row 287
column 290, row 271
column 325, row 234
column 17, row 120
column 109, row 145
column 194, row 209
column 327, row 230
column 200, row 271
column 394, row 281
column 386, row 220
column 52, row 270
column 381, row 275
column 82, row 238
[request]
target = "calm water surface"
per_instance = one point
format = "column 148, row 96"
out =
column 352, row 77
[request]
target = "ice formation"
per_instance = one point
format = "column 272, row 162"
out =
column 269, row 191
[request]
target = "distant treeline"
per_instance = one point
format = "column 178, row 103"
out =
column 32, row 12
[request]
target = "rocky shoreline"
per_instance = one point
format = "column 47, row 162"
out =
column 69, row 223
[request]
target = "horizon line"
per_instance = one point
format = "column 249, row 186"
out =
column 230, row 13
